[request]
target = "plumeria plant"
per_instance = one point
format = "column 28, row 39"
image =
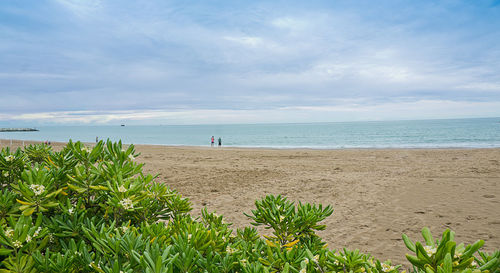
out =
column 19, row 239
column 37, row 190
column 288, row 222
column 37, row 153
column 11, row 166
column 445, row 256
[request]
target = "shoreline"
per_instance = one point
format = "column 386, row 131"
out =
column 376, row 194
column 17, row 142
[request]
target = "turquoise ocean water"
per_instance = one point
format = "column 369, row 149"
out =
column 460, row 133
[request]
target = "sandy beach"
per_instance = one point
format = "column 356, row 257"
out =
column 376, row 194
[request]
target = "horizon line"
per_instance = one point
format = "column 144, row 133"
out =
column 257, row 123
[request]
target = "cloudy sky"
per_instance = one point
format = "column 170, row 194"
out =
column 199, row 62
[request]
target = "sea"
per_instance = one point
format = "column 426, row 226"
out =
column 442, row 133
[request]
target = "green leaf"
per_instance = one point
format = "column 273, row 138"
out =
column 429, row 269
column 488, row 265
column 415, row 261
column 24, row 202
column 472, row 249
column 51, row 204
column 4, row 251
column 29, row 211
column 421, row 253
column 76, row 188
column 447, row 265
column 99, row 188
column 449, row 247
column 409, row 244
column 426, row 233
column 54, row 193
column 464, row 263
column 286, row 268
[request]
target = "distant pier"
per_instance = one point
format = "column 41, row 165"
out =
column 18, row 130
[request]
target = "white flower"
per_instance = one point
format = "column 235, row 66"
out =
column 126, row 203
column 85, row 149
column 131, row 157
column 6, row 174
column 189, row 236
column 51, row 238
column 303, row 270
column 316, row 258
column 124, row 229
column 37, row 231
column 282, row 218
column 28, row 239
column 430, row 250
column 71, row 210
column 306, row 260
column 9, row 158
column 387, row 268
column 229, row 250
column 122, row 189
column 37, row 189
column 17, row 244
column 9, row 232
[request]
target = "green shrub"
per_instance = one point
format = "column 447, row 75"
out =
column 37, row 153
column 445, row 256
column 11, row 166
column 92, row 209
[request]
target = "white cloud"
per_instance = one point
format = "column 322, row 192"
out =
column 291, row 23
column 81, row 8
column 349, row 110
column 170, row 55
column 27, row 75
column 246, row 40
column 480, row 86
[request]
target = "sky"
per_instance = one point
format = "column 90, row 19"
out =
column 218, row 62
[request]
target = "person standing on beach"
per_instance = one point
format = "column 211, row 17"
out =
column 220, row 141
column 213, row 140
